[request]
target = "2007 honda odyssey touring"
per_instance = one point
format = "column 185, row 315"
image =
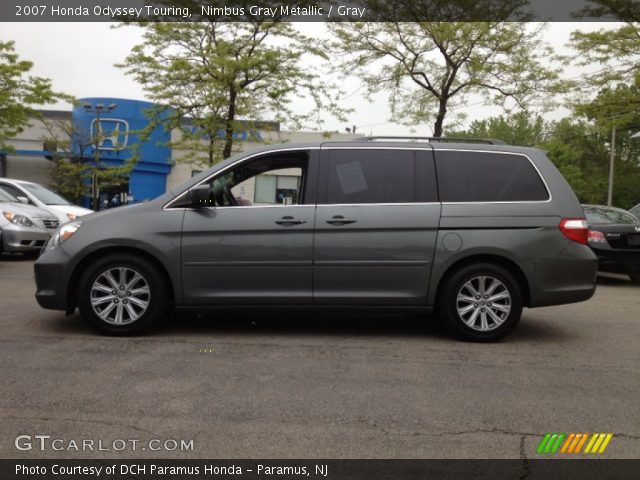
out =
column 477, row 231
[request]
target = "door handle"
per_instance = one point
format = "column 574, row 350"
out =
column 290, row 221
column 340, row 220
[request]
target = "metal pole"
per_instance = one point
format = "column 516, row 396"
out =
column 96, row 161
column 611, row 168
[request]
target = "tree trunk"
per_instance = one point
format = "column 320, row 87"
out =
column 442, row 112
column 231, row 114
column 212, row 144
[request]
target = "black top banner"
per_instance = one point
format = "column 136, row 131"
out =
column 323, row 11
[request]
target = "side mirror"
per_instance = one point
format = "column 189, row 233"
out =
column 200, row 196
column 22, row 199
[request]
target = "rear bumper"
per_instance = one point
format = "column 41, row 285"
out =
column 52, row 279
column 569, row 278
column 618, row 261
column 16, row 238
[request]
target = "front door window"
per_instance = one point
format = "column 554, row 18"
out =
column 270, row 180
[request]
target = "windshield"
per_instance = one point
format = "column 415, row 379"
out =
column 45, row 195
column 6, row 196
column 608, row 215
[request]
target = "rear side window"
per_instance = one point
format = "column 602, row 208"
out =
column 597, row 215
column 487, row 177
column 379, row 176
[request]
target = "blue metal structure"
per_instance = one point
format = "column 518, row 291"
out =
column 119, row 130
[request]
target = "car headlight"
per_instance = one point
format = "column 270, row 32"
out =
column 18, row 219
column 64, row 233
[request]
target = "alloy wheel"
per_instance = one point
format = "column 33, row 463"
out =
column 120, row 296
column 483, row 303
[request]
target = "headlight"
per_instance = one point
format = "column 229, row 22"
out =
column 72, row 216
column 63, row 234
column 18, row 219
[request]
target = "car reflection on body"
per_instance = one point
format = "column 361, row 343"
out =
column 23, row 228
column 614, row 236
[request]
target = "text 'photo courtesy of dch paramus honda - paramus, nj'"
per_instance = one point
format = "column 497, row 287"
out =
column 475, row 231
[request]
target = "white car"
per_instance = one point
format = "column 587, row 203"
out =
column 39, row 196
column 23, row 228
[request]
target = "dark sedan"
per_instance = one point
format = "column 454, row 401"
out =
column 614, row 236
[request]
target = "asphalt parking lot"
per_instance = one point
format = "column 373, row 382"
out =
column 327, row 386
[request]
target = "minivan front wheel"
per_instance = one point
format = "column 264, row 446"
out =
column 122, row 295
column 481, row 302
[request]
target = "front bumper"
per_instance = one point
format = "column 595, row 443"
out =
column 52, row 279
column 17, row 238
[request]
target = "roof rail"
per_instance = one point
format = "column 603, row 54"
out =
column 489, row 141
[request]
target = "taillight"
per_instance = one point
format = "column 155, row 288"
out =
column 575, row 229
column 596, row 236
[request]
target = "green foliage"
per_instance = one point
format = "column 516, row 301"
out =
column 19, row 92
column 520, row 128
column 67, row 178
column 581, row 150
column 621, row 10
column 216, row 73
column 614, row 106
column 431, row 69
column 616, row 50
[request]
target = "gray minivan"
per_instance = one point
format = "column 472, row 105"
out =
column 475, row 230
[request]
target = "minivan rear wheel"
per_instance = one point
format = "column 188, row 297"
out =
column 481, row 302
column 122, row 295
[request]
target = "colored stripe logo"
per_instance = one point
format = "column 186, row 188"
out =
column 573, row 443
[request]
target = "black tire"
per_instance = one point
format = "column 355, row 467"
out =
column 635, row 277
column 156, row 299
column 448, row 303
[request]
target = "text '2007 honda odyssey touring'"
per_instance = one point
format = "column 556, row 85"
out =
column 477, row 231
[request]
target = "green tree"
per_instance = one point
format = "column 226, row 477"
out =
column 577, row 147
column 19, row 93
column 579, row 152
column 520, row 128
column 581, row 149
column 622, row 10
column 216, row 73
column 616, row 111
column 73, row 167
column 616, row 50
column 430, row 69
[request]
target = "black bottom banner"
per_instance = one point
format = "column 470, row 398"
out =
column 318, row 469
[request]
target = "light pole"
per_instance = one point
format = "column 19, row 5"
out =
column 96, row 139
column 613, row 154
column 611, row 162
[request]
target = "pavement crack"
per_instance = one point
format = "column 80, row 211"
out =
column 451, row 433
column 624, row 435
column 499, row 431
